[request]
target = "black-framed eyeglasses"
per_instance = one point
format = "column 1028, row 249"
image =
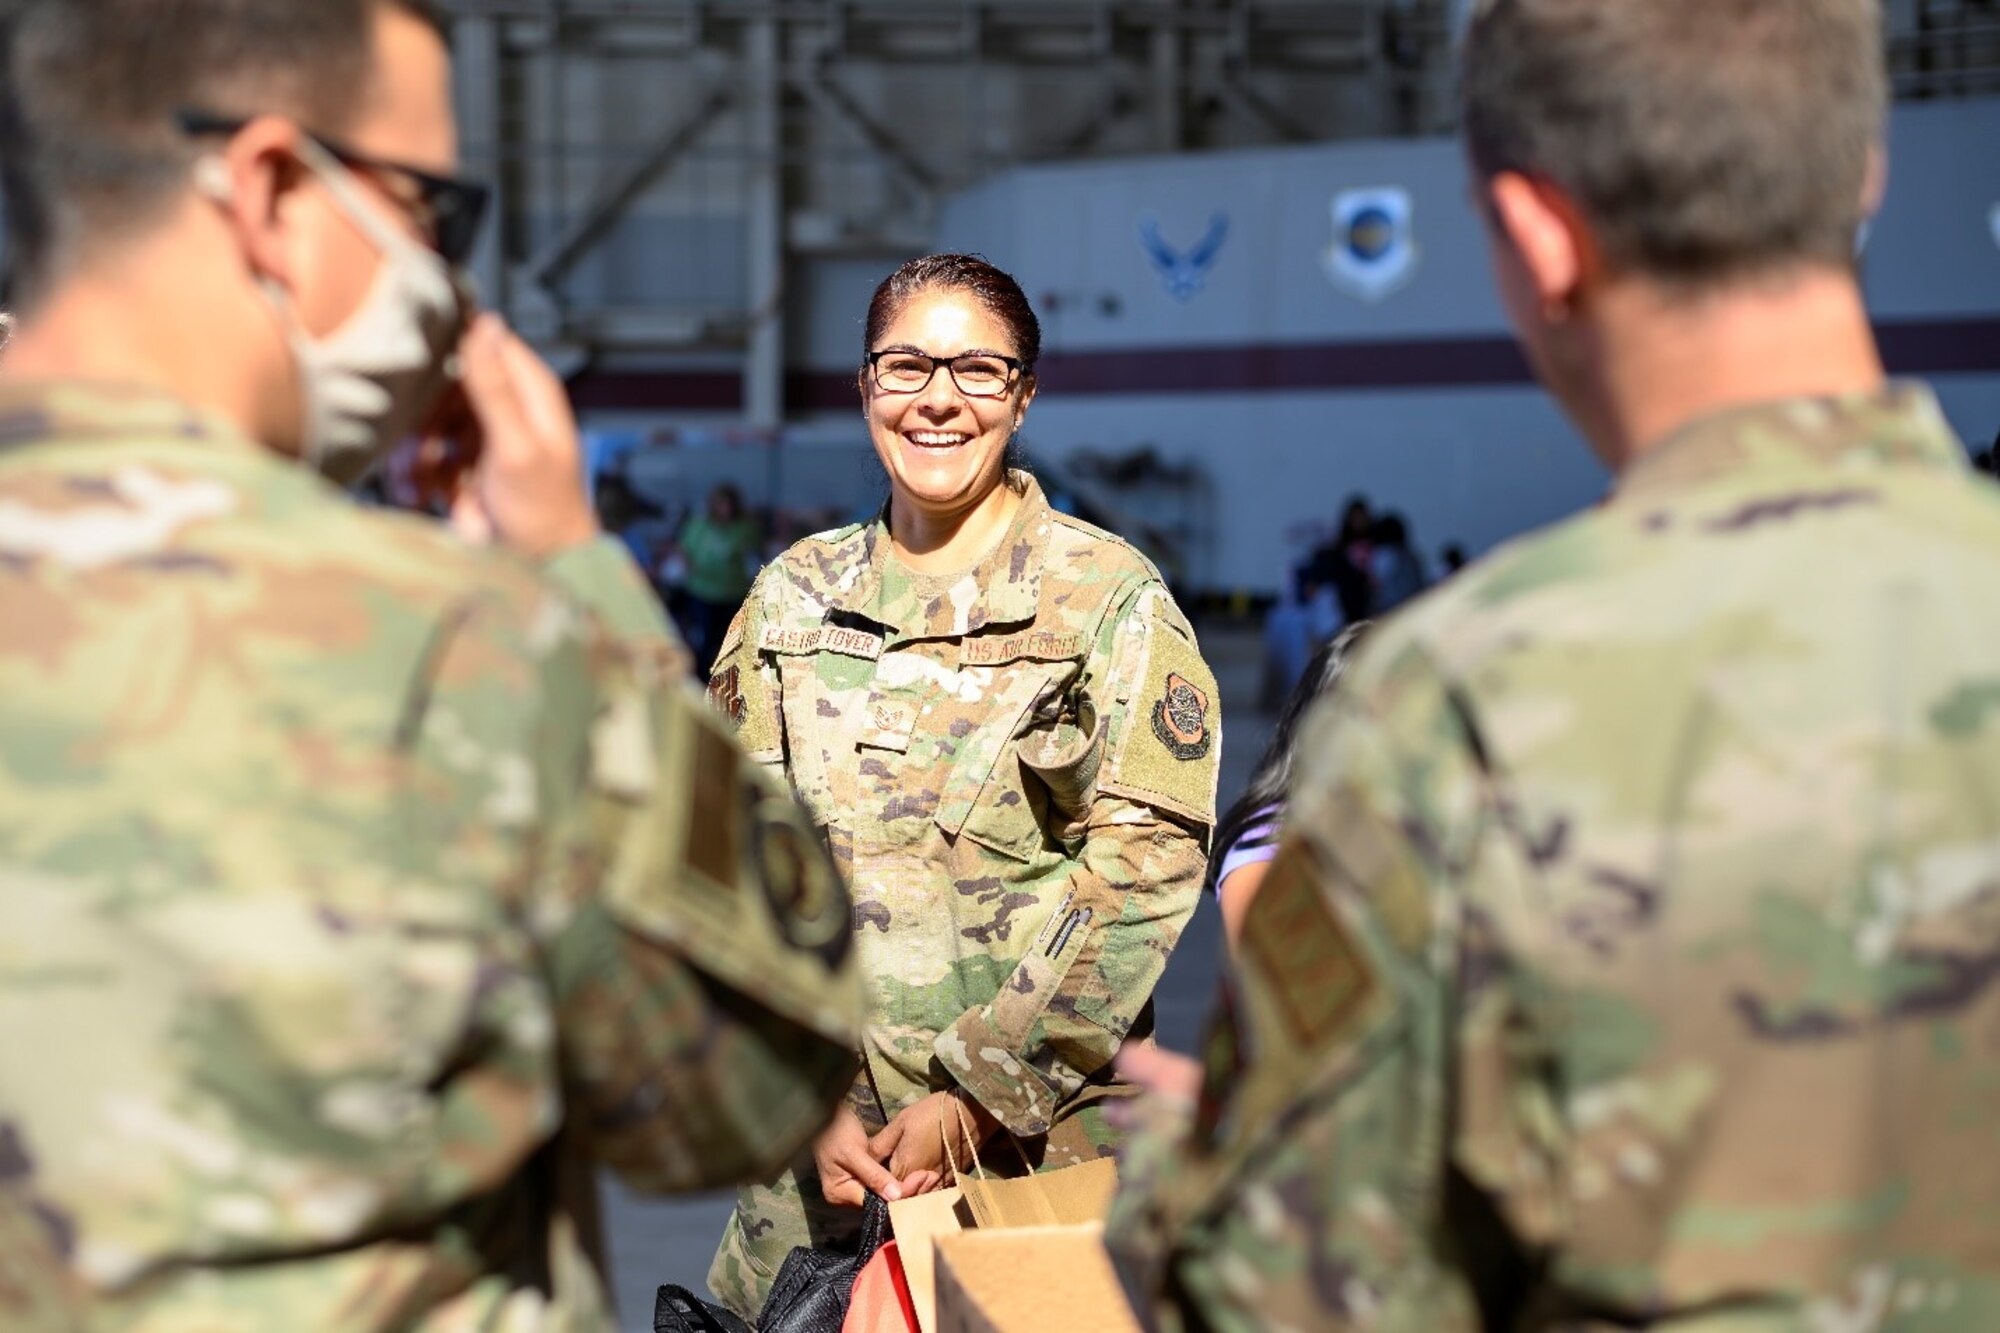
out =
column 448, row 209
column 977, row 374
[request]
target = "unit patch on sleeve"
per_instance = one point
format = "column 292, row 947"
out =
column 809, row 904
column 1166, row 732
column 1180, row 720
column 1302, row 954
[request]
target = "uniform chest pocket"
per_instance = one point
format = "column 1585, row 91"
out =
column 817, row 733
column 1000, row 795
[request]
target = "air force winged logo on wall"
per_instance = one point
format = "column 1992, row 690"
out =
column 1374, row 250
column 1184, row 275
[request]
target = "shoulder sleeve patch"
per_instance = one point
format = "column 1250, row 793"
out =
column 1304, row 958
column 1166, row 744
column 726, row 866
column 744, row 690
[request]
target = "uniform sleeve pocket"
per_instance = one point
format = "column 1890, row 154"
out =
column 1064, row 760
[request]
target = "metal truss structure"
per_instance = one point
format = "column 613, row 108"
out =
column 779, row 133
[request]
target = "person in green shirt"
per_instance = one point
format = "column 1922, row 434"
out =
column 720, row 547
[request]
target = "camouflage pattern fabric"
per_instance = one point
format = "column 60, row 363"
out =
column 1632, row 958
column 357, row 895
column 1016, row 766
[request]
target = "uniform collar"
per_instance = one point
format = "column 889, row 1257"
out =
column 1004, row 588
column 1900, row 425
column 35, row 412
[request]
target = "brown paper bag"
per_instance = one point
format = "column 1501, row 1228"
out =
column 1030, row 1280
column 1070, row 1194
column 918, row 1224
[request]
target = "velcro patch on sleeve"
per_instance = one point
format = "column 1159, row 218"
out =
column 1169, row 749
column 744, row 691
column 1317, row 975
column 726, row 868
column 715, row 825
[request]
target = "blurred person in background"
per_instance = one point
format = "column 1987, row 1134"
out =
column 1396, row 568
column 1344, row 567
column 1005, row 730
column 1330, row 589
column 1246, row 837
column 720, row 550
column 361, row 889
column 1629, row 958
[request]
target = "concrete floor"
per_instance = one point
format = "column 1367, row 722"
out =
column 670, row 1240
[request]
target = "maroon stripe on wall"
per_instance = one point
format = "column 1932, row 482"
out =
column 1910, row 347
column 657, row 390
column 1941, row 347
column 1416, row 363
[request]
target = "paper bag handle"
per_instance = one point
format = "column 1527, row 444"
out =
column 971, row 1139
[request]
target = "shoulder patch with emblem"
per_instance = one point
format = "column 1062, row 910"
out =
column 1166, row 735
column 809, row 903
column 1304, row 956
column 1180, row 719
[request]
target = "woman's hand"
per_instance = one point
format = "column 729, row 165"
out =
column 913, row 1143
column 849, row 1170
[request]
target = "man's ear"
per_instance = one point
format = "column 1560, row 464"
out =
column 256, row 181
column 1549, row 236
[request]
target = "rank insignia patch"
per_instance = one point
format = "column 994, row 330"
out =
column 725, row 693
column 1180, row 720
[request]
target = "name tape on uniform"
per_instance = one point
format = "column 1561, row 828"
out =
column 820, row 639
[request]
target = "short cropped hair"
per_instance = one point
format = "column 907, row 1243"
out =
column 1703, row 140
column 89, row 90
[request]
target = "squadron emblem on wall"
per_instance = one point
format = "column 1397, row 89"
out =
column 1374, row 250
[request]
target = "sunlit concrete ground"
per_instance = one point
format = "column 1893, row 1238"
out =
column 654, row 1241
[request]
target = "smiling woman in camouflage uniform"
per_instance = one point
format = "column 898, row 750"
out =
column 1003, row 726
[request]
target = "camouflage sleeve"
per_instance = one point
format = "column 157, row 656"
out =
column 602, row 577
column 694, row 938
column 1316, row 1188
column 743, row 690
column 1061, row 1015
column 39, row 1292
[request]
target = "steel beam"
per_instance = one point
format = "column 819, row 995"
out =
column 476, row 58
column 831, row 99
column 764, row 356
column 562, row 252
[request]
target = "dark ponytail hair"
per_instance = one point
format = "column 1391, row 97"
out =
column 1272, row 777
column 995, row 290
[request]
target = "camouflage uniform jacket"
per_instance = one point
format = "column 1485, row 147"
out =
column 1017, row 768
column 355, row 891
column 1633, row 959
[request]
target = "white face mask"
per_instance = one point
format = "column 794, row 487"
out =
column 372, row 381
